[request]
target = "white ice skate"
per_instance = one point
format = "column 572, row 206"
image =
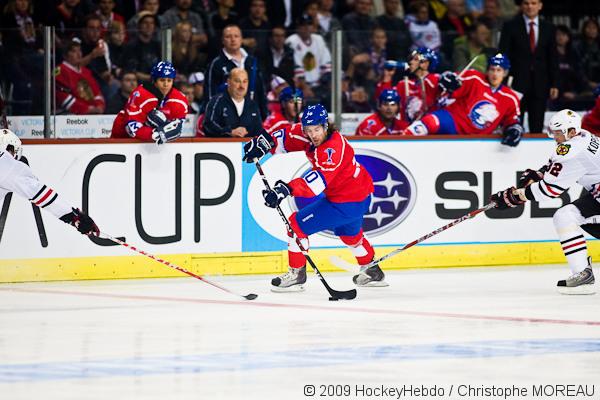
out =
column 580, row 283
column 291, row 281
column 370, row 277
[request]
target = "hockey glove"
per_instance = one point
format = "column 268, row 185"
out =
column 512, row 135
column 449, row 81
column 258, row 147
column 274, row 196
column 81, row 221
column 506, row 199
column 168, row 133
column 528, row 177
column 156, row 119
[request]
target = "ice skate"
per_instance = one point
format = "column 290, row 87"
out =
column 370, row 277
column 291, row 281
column 580, row 283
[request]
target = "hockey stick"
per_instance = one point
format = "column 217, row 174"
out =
column 444, row 94
column 250, row 296
column 351, row 267
column 335, row 294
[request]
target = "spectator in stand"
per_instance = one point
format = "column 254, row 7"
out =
column 492, row 18
column 22, row 63
column 143, row 52
column 68, row 17
column 456, row 19
column 588, row 48
column 398, row 39
column 107, row 15
column 196, row 79
column 233, row 113
column 312, row 59
column 148, row 6
column 530, row 43
column 77, row 92
column 571, row 80
column 188, row 92
column 186, row 57
column 231, row 56
column 311, row 8
column 359, row 85
column 117, row 102
column 222, row 17
column 181, row 13
column 591, row 120
column 278, row 59
column 378, row 52
column 284, row 12
column 277, row 84
column 256, row 27
column 357, row 26
column 423, row 31
column 508, row 9
column 386, row 120
column 291, row 101
column 327, row 21
column 116, row 46
column 155, row 111
column 477, row 43
column 96, row 56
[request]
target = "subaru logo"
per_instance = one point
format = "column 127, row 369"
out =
column 394, row 196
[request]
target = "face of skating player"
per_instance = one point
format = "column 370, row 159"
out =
column 495, row 75
column 164, row 85
column 417, row 61
column 559, row 137
column 316, row 134
column 388, row 110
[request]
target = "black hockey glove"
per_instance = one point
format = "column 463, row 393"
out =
column 512, row 135
column 528, row 177
column 274, row 196
column 156, row 119
column 258, row 147
column 168, row 133
column 449, row 81
column 506, row 199
column 82, row 222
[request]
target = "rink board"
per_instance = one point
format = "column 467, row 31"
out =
column 199, row 206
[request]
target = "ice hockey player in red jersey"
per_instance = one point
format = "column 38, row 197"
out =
column 291, row 101
column 576, row 159
column 153, row 112
column 591, row 120
column 386, row 120
column 345, row 186
column 482, row 103
column 418, row 88
column 17, row 177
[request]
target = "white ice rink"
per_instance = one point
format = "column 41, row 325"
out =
column 182, row 339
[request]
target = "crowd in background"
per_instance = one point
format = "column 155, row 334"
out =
column 279, row 43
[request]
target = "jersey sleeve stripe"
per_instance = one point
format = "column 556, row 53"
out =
column 183, row 103
column 555, row 186
column 570, row 240
column 50, row 201
column 552, row 190
column 44, row 197
column 38, row 193
column 514, row 100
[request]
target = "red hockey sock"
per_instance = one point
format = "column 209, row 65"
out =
column 295, row 257
column 360, row 247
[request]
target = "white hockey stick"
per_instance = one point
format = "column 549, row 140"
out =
column 338, row 262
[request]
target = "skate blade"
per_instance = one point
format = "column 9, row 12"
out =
column 577, row 290
column 374, row 284
column 289, row 289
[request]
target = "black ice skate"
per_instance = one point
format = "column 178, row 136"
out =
column 291, row 281
column 370, row 277
column 580, row 283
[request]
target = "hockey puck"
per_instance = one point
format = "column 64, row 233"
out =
column 333, row 299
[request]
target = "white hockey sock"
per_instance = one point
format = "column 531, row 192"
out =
column 567, row 221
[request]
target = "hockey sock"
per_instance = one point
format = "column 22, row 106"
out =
column 295, row 257
column 567, row 221
column 360, row 247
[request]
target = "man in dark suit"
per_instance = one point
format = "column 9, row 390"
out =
column 529, row 42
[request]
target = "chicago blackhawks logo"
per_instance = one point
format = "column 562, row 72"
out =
column 562, row 149
column 482, row 114
column 394, row 196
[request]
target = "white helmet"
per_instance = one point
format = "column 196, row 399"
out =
column 8, row 138
column 564, row 120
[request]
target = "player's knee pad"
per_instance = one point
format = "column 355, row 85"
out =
column 567, row 220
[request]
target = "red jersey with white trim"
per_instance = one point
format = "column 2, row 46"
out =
column 77, row 90
column 478, row 109
column 414, row 103
column 335, row 171
column 591, row 120
column 130, row 122
column 373, row 126
column 17, row 177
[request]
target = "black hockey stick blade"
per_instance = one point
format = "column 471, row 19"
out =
column 347, row 295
